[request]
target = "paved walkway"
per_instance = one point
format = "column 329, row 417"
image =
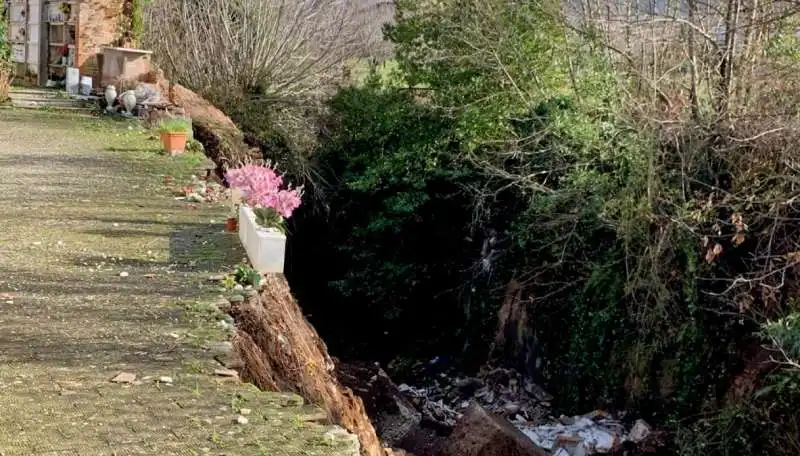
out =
column 102, row 272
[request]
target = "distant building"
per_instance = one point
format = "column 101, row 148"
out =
column 48, row 36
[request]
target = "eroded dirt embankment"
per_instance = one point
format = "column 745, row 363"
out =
column 283, row 352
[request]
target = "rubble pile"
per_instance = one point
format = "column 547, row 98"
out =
column 593, row 433
column 499, row 391
column 202, row 191
column 505, row 394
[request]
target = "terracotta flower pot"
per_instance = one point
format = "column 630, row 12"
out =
column 231, row 224
column 174, row 143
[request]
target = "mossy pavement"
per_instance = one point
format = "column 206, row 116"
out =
column 103, row 271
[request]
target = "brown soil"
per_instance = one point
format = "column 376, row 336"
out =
column 282, row 351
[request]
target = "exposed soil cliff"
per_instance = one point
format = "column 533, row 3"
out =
column 282, row 352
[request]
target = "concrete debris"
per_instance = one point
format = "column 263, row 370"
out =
column 499, row 391
column 593, row 433
column 202, row 191
column 505, row 393
column 639, row 432
column 480, row 433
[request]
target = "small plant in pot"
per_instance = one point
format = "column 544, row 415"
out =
column 174, row 134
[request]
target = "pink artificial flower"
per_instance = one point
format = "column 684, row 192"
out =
column 287, row 202
column 260, row 186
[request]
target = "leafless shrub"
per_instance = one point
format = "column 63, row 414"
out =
column 273, row 49
column 687, row 55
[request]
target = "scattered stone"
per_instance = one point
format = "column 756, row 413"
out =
column 511, row 409
column 639, row 432
column 223, row 347
column 230, row 360
column 226, row 372
column 337, row 434
column 245, row 411
column 224, row 306
column 242, row 420
column 124, row 377
column 165, row 379
column 194, row 198
column 123, row 274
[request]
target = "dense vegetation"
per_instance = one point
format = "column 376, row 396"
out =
column 638, row 183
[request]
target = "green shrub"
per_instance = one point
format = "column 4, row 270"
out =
column 175, row 126
column 396, row 217
column 247, row 276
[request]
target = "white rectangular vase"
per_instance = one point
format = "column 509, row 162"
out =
column 73, row 81
column 265, row 249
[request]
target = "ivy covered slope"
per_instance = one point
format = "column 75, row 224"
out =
column 652, row 229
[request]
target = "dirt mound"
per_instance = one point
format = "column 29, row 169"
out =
column 283, row 352
column 223, row 141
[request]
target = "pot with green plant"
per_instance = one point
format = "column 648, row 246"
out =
column 174, row 134
column 263, row 213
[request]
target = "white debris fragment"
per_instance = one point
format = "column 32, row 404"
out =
column 589, row 434
column 639, row 432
